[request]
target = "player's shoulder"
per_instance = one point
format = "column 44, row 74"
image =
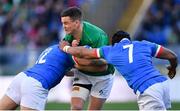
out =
column 54, row 46
column 85, row 23
column 56, row 50
column 87, row 26
column 106, row 49
column 143, row 43
column 146, row 45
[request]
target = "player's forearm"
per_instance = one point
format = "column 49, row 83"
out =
column 87, row 62
column 82, row 61
column 170, row 56
column 98, row 62
column 75, row 51
column 69, row 73
column 173, row 61
column 81, row 52
column 96, row 69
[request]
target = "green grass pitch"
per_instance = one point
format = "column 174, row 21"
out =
column 107, row 106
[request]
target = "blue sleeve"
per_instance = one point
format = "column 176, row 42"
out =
column 154, row 48
column 104, row 52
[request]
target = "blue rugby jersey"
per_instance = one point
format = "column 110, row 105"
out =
column 134, row 61
column 50, row 67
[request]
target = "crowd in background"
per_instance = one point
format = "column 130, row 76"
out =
column 32, row 23
column 37, row 22
column 162, row 23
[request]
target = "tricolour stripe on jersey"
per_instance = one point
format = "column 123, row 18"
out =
column 98, row 53
column 74, row 59
column 159, row 50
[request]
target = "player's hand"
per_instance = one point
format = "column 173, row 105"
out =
column 70, row 73
column 172, row 72
column 75, row 43
column 76, row 66
column 62, row 44
column 79, row 67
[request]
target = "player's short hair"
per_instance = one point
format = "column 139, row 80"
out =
column 119, row 35
column 73, row 12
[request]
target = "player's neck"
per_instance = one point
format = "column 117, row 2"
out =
column 78, row 34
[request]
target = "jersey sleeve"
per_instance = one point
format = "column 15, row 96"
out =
column 102, row 40
column 97, row 40
column 103, row 52
column 156, row 49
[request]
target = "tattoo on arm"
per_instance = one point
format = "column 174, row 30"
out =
column 98, row 62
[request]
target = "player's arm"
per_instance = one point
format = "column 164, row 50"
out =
column 79, row 51
column 88, row 62
column 69, row 73
column 164, row 53
column 83, row 52
column 101, row 68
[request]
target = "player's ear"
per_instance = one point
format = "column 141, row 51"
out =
column 77, row 21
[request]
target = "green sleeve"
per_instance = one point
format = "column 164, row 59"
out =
column 95, row 40
column 102, row 40
column 93, row 36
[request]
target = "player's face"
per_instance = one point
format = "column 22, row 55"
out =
column 69, row 25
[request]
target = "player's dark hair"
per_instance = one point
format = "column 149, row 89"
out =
column 119, row 35
column 73, row 12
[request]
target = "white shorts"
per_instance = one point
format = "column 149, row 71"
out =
column 156, row 97
column 28, row 92
column 101, row 85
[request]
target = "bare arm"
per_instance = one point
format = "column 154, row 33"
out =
column 91, row 65
column 69, row 73
column 78, row 51
column 88, row 62
column 172, row 58
column 82, row 52
column 101, row 68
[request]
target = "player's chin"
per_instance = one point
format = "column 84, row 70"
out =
column 68, row 32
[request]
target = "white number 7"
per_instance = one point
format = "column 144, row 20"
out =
column 130, row 47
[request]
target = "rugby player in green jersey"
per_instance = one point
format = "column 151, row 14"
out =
column 97, row 86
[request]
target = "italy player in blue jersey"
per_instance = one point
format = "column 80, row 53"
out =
column 133, row 59
column 30, row 88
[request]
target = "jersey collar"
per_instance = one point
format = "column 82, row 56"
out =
column 124, row 39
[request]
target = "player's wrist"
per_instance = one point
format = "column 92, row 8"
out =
column 65, row 49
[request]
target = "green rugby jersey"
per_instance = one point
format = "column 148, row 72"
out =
column 95, row 37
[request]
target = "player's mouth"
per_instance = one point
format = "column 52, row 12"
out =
column 67, row 31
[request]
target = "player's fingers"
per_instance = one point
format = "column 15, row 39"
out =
column 75, row 43
column 171, row 74
column 169, row 67
column 63, row 44
column 76, row 66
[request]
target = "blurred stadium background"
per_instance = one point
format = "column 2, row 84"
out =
column 29, row 26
